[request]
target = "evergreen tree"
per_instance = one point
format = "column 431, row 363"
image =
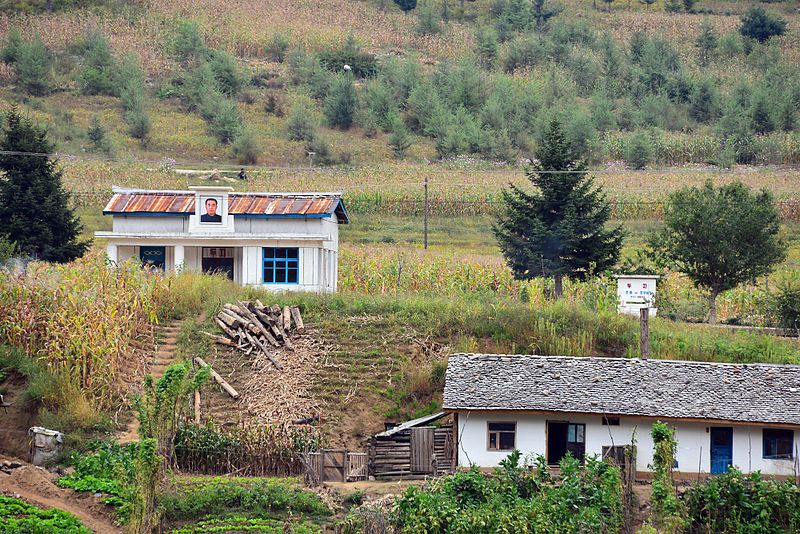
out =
column 340, row 105
column 399, row 140
column 559, row 230
column 719, row 238
column 406, row 5
column 34, row 68
column 706, row 43
column 639, row 153
column 761, row 114
column 760, row 25
column 34, row 207
column 703, row 102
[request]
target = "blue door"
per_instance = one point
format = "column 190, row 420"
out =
column 721, row 450
column 153, row 256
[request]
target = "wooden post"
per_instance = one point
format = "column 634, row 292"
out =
column 644, row 332
column 425, row 214
column 197, row 406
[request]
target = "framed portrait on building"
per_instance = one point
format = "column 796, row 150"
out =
column 211, row 210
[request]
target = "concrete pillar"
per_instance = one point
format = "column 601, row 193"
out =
column 112, row 251
column 178, row 256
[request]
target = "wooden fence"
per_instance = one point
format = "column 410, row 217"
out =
column 336, row 465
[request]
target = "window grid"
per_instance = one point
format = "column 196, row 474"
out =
column 778, row 444
column 501, row 436
column 281, row 265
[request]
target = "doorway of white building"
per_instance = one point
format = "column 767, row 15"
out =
column 218, row 260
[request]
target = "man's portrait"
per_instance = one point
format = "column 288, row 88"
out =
column 211, row 214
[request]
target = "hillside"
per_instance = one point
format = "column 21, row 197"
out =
column 256, row 82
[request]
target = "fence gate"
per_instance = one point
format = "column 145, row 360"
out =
column 422, row 450
column 356, row 466
column 333, row 465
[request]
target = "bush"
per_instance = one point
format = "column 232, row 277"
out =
column 226, row 72
column 362, row 64
column 341, row 102
column 98, row 75
column 245, row 147
column 300, row 123
column 11, row 46
column 223, row 117
column 33, row 67
column 733, row 502
column 639, row 152
column 188, row 43
column 139, row 124
column 787, row 302
column 277, row 46
column 517, row 499
column 429, row 21
column 97, row 135
column 760, row 25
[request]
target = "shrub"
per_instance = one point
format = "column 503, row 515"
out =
column 787, row 302
column 97, row 135
column 341, row 102
column 300, row 123
column 226, row 72
column 733, row 502
column 362, row 64
column 11, row 46
column 98, row 75
column 33, row 67
column 703, row 103
column 139, row 124
column 223, row 116
column 245, row 147
column 399, row 140
column 188, row 43
column 429, row 20
column 277, row 46
column 760, row 25
column 639, row 153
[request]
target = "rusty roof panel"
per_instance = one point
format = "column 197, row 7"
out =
column 257, row 204
column 151, row 203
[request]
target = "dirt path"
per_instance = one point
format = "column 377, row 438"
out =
column 35, row 486
column 164, row 357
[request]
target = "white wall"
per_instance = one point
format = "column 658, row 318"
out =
column 149, row 224
column 693, row 441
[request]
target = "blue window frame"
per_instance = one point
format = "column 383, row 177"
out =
column 281, row 265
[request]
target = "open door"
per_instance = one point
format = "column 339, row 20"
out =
column 563, row 437
column 721, row 449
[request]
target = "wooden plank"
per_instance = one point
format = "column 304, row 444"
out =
column 221, row 381
column 219, row 339
column 197, row 406
column 298, row 320
column 229, row 320
column 422, row 450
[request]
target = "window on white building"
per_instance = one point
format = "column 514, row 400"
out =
column 778, row 444
column 502, row 436
column 281, row 265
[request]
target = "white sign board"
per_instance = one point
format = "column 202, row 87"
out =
column 635, row 292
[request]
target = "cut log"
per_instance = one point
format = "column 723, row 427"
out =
column 298, row 321
column 229, row 319
column 287, row 319
column 261, row 307
column 255, row 341
column 230, row 331
column 221, row 340
column 253, row 320
column 275, row 309
column 218, row 379
column 235, row 312
column 197, row 406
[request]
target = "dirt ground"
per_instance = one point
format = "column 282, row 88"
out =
column 36, row 486
column 15, row 420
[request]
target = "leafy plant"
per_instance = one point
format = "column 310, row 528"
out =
column 18, row 516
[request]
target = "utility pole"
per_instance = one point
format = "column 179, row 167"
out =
column 425, row 214
column 644, row 332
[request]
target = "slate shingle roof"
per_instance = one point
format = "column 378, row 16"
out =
column 754, row 393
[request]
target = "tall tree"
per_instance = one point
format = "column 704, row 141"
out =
column 761, row 25
column 34, row 207
column 340, row 105
column 559, row 230
column 719, row 237
column 706, row 43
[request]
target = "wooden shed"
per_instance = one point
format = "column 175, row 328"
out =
column 413, row 448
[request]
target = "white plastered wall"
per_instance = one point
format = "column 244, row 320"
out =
column 693, row 441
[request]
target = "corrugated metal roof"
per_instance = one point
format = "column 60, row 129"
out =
column 155, row 202
column 241, row 204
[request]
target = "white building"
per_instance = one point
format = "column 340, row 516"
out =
column 747, row 415
column 280, row 241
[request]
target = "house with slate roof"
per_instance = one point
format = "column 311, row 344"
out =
column 745, row 415
column 279, row 241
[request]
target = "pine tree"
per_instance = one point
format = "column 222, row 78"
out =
column 34, row 207
column 399, row 140
column 706, row 43
column 340, row 105
column 561, row 229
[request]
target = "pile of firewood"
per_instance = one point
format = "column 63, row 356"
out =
column 251, row 326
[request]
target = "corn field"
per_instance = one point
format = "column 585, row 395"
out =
column 83, row 319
